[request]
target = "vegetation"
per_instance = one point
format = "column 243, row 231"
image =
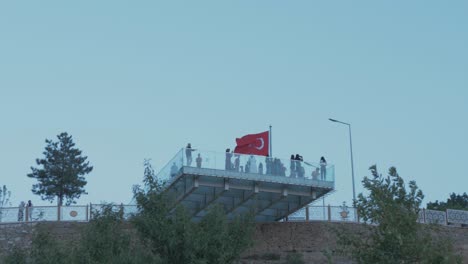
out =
column 61, row 172
column 455, row 201
column 5, row 196
column 155, row 235
column 177, row 239
column 295, row 258
column 392, row 234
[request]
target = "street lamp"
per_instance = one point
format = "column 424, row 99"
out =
column 351, row 147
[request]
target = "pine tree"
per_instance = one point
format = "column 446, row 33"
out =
column 61, row 172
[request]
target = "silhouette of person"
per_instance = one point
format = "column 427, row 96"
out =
column 198, row 160
column 292, row 167
column 188, row 154
column 260, row 168
column 237, row 163
column 21, row 211
column 228, row 159
column 323, row 168
column 174, row 170
column 315, row 174
column 30, row 210
column 253, row 164
column 298, row 164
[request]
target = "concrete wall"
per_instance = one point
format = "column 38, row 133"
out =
column 273, row 241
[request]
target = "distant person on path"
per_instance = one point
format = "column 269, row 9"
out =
column 228, row 159
column 21, row 211
column 30, row 210
column 174, row 170
column 260, row 168
column 188, row 154
column 323, row 168
column 198, row 160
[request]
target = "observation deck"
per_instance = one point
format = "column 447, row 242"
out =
column 274, row 188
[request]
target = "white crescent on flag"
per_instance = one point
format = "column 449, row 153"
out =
column 262, row 145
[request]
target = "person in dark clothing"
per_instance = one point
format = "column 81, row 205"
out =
column 228, row 159
column 298, row 164
column 30, row 211
column 260, row 168
column 237, row 163
column 323, row 168
column 188, row 154
column 198, row 160
column 292, row 167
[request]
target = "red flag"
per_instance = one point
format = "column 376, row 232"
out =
column 256, row 144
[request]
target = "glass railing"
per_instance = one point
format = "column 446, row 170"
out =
column 247, row 164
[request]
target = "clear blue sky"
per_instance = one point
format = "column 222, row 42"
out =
column 140, row 79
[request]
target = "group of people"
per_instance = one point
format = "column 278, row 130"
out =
column 21, row 211
column 273, row 166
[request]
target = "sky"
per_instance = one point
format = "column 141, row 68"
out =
column 131, row 80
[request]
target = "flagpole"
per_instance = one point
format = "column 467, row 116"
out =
column 271, row 147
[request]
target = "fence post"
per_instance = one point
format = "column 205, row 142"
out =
column 424, row 215
column 307, row 213
column 357, row 214
column 90, row 211
column 329, row 213
column 446, row 217
column 27, row 214
column 87, row 207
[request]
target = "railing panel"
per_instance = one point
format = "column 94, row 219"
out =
column 11, row 215
column 242, row 163
column 435, row 217
column 421, row 216
column 172, row 168
column 318, row 213
column 344, row 214
column 74, row 213
column 457, row 217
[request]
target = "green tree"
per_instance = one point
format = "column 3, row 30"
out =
column 391, row 233
column 61, row 172
column 455, row 201
column 174, row 237
column 107, row 239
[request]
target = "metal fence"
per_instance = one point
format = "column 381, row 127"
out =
column 78, row 213
column 350, row 214
column 84, row 213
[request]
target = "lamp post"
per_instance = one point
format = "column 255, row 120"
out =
column 351, row 147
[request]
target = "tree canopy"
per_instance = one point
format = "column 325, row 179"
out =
column 60, row 174
column 455, row 201
column 174, row 237
column 391, row 233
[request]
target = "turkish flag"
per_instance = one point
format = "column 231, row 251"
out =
column 256, row 144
